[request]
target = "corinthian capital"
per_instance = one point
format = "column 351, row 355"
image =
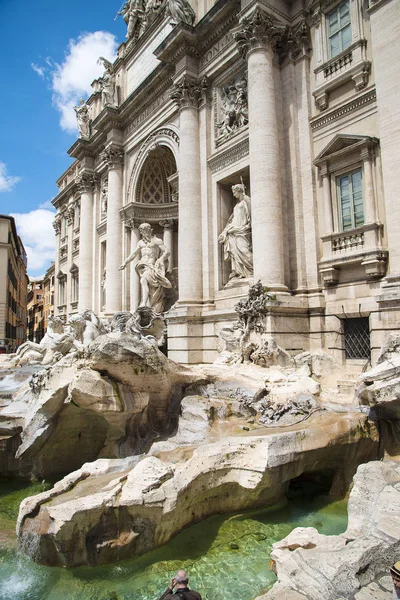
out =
column 86, row 181
column 189, row 92
column 57, row 225
column 113, row 156
column 258, row 31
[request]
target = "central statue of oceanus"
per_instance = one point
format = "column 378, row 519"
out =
column 151, row 268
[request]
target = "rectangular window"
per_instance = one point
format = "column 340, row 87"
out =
column 350, row 200
column 357, row 341
column 339, row 29
column 61, row 290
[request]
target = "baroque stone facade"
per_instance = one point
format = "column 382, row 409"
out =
column 294, row 102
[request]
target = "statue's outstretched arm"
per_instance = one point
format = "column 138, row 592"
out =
column 131, row 257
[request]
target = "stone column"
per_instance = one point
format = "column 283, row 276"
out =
column 168, row 241
column 114, row 157
column 86, row 183
column 134, row 288
column 187, row 94
column 57, row 230
column 326, row 186
column 369, row 199
column 256, row 41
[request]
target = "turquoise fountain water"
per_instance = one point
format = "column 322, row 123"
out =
column 227, row 556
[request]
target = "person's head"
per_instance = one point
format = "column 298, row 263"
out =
column 181, row 578
column 395, row 573
column 145, row 231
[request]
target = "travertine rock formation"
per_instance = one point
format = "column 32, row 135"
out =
column 314, row 566
column 98, row 518
column 113, row 403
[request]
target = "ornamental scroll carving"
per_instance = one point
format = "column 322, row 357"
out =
column 86, row 182
column 190, row 92
column 260, row 30
column 113, row 156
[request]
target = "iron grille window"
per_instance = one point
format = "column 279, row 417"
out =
column 357, row 342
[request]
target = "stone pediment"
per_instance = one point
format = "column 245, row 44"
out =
column 61, row 275
column 74, row 268
column 342, row 144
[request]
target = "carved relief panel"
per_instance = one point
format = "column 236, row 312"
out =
column 230, row 108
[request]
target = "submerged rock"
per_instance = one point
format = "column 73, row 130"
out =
column 96, row 517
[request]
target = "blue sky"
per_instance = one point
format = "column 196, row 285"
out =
column 49, row 51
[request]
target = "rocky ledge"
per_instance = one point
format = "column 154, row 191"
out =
column 114, row 509
column 314, row 566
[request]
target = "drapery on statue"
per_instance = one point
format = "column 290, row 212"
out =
column 236, row 237
column 133, row 13
column 83, row 118
column 181, row 11
column 107, row 82
column 151, row 267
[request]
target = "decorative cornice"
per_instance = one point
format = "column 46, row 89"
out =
column 229, row 156
column 190, row 93
column 258, row 31
column 367, row 98
column 114, row 157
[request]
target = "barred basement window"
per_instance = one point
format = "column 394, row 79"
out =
column 357, row 341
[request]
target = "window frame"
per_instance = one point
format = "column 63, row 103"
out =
column 336, row 9
column 337, row 176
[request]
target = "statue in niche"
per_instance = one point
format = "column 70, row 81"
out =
column 83, row 118
column 107, row 83
column 181, row 12
column 235, row 107
column 236, row 236
column 103, row 284
column 104, row 198
column 151, row 268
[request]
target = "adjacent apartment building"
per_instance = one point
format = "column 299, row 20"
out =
column 13, row 287
column 295, row 100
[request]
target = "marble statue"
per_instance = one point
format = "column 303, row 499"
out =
column 107, row 82
column 85, row 327
column 55, row 344
column 151, row 267
column 104, row 197
column 83, row 118
column 133, row 13
column 236, row 236
column 181, row 12
column 103, row 285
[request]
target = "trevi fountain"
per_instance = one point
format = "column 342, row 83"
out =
column 259, row 474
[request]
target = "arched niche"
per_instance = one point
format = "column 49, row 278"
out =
column 158, row 154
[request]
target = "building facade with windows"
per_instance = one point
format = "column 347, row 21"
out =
column 48, row 294
column 36, row 317
column 13, row 286
column 296, row 100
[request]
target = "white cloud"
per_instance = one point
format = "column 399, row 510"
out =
column 7, row 182
column 48, row 205
column 39, row 70
column 37, row 234
column 71, row 80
